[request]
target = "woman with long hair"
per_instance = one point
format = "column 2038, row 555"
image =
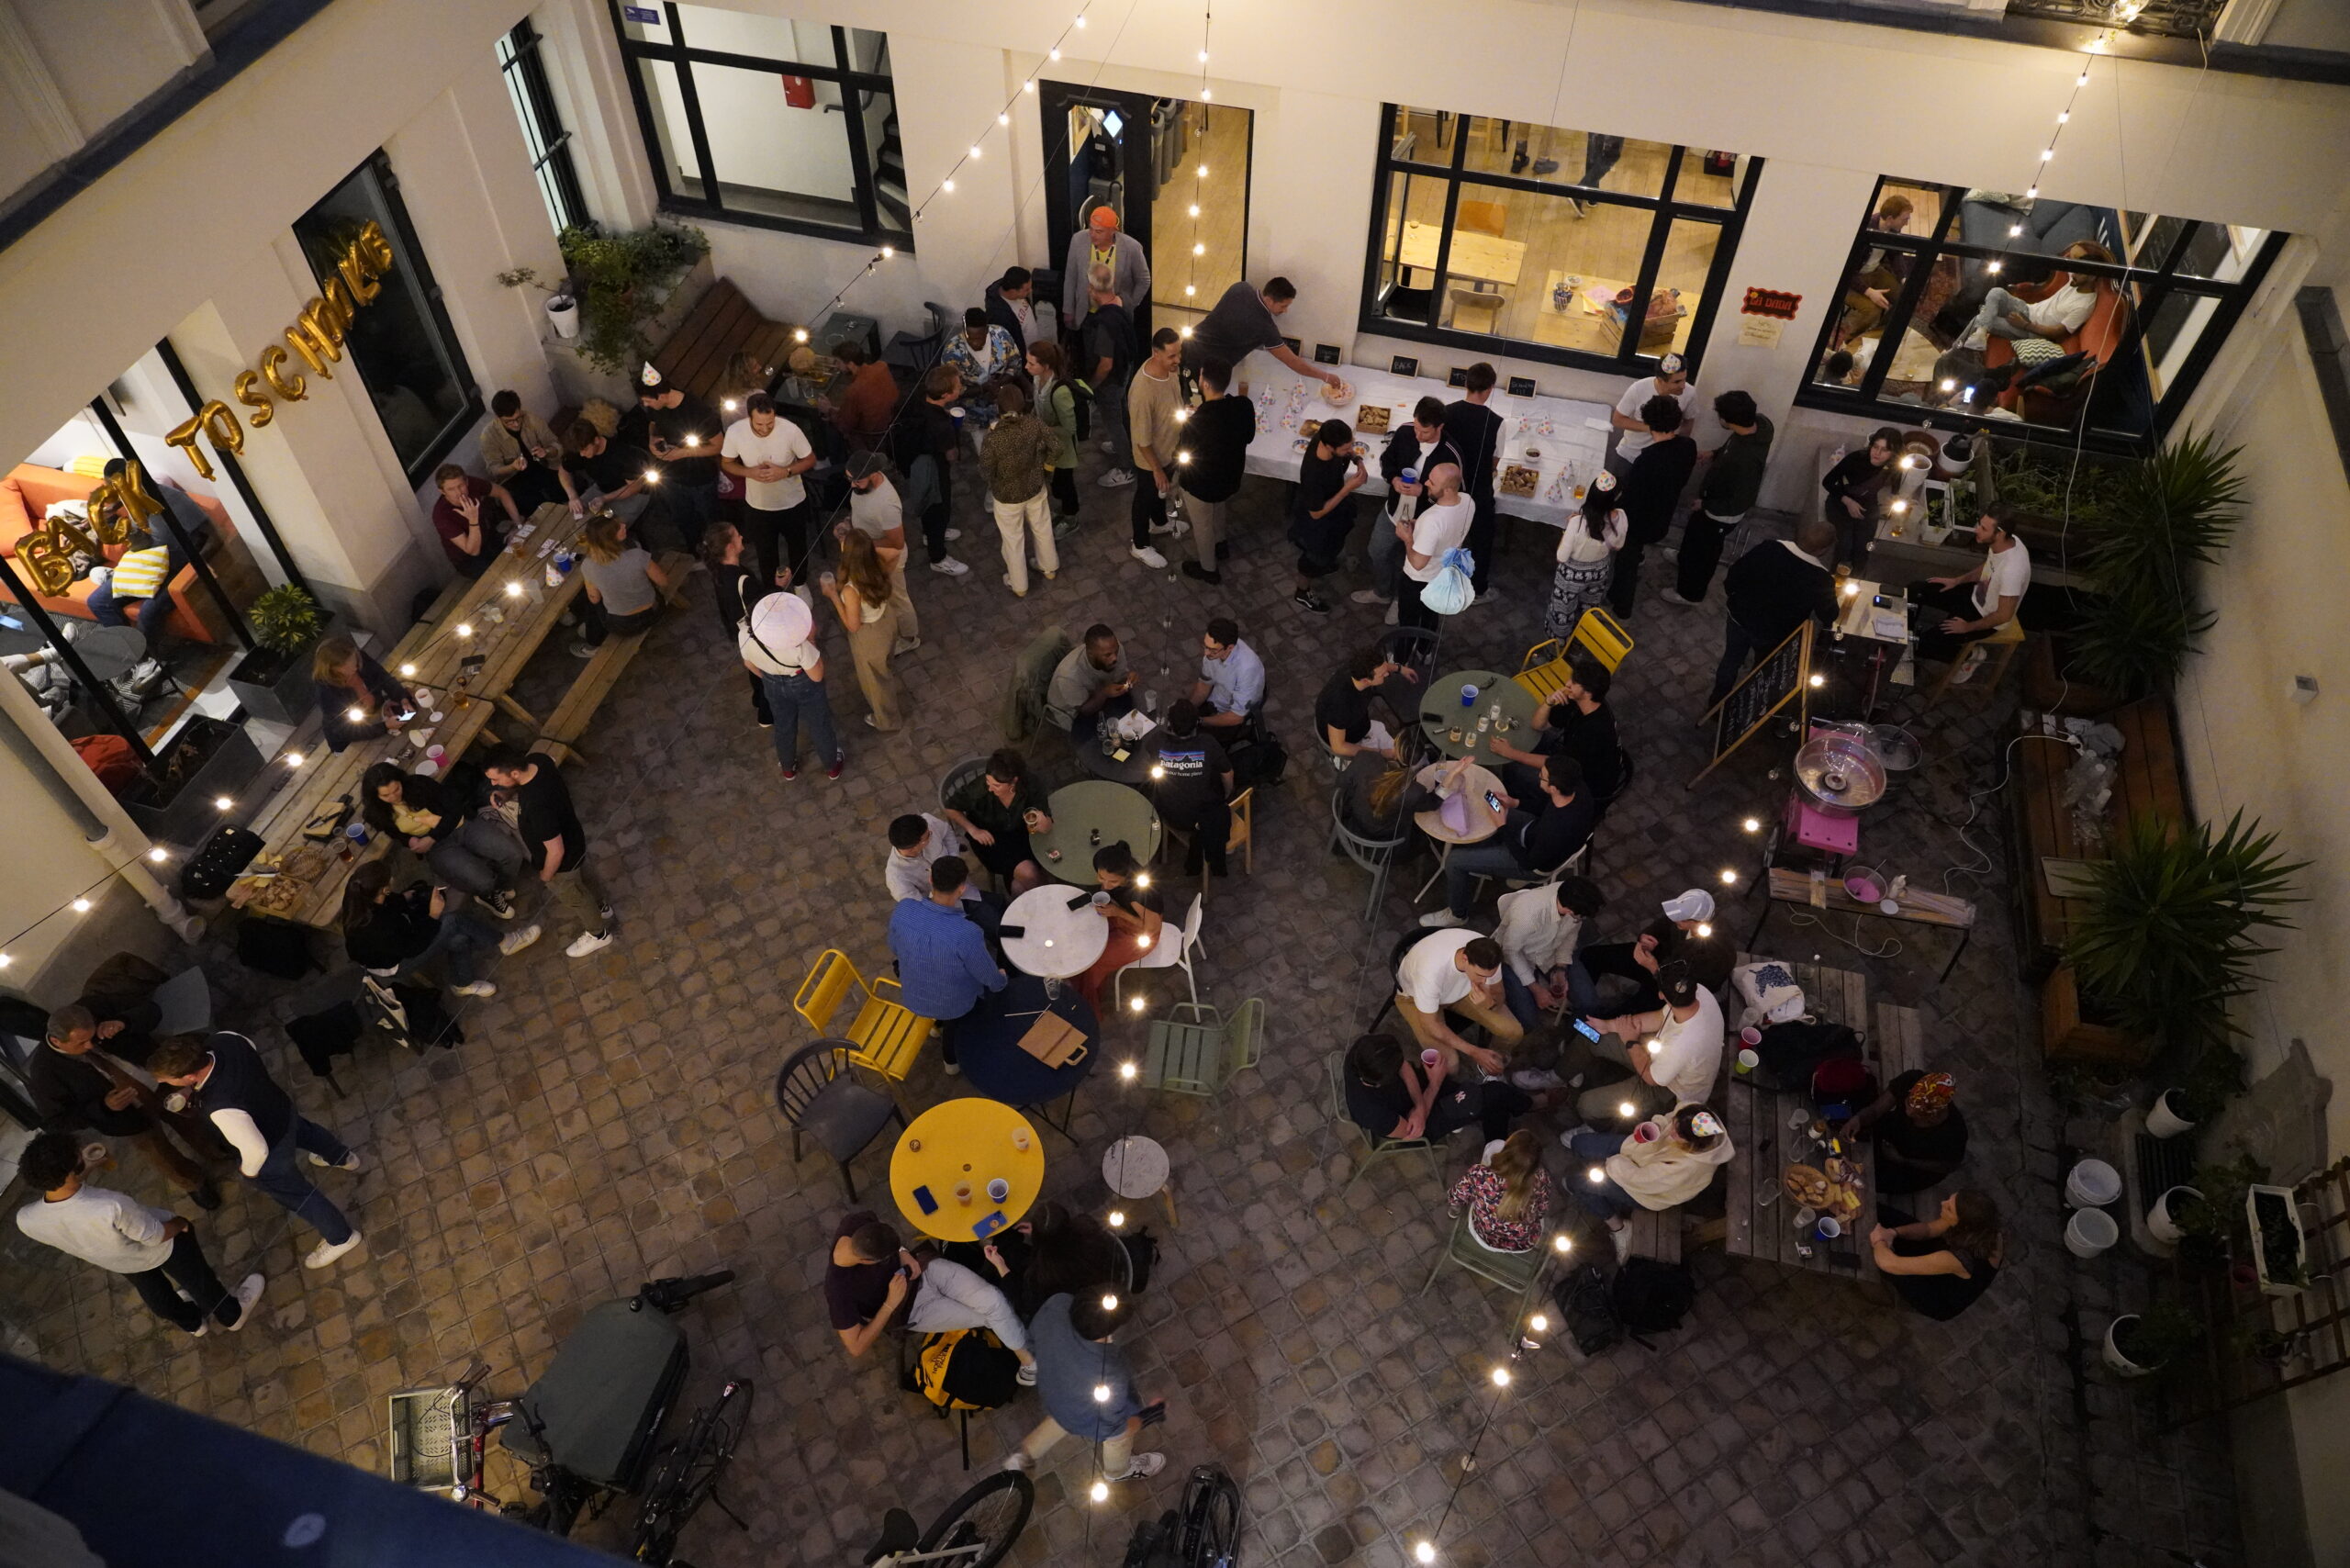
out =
column 1940, row 1265
column 860, row 596
column 398, row 934
column 357, row 699
column 624, row 587
column 1507, row 1195
column 734, row 587
column 1057, row 412
column 1586, row 558
column 474, row 854
column 1853, row 487
column 1127, row 901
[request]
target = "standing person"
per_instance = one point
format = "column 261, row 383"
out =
column 1475, row 430
column 1108, row 349
column 860, row 597
column 1057, row 412
column 1007, row 304
column 224, row 1079
column 522, row 455
column 768, row 453
column 1770, row 591
column 1420, row 447
column 1324, row 513
column 987, row 359
column 473, row 854
column 1130, row 904
column 1012, row 460
column 1247, row 318
column 944, row 964
column 554, row 841
column 397, row 934
column 875, row 511
column 357, row 699
column 1155, row 425
column 1651, row 490
column 1232, row 677
column 997, row 810
column 624, row 587
column 1445, row 521
column 862, row 415
column 1194, row 786
column 1215, row 456
column 154, row 1248
column 1090, row 683
column 734, row 589
column 1853, row 487
column 683, row 435
column 1586, row 556
column 76, row 1085
column 471, row 537
column 1101, row 244
column 1632, row 431
column 778, row 646
column 1733, row 480
column 1599, row 155
column 1983, row 600
column 606, row 474
column 1683, row 1053
column 926, row 443
column 1086, row 1386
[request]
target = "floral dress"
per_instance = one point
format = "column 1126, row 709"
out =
column 1482, row 1191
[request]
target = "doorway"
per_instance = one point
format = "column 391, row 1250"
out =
column 1143, row 157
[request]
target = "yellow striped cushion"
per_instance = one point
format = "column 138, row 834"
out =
column 140, row 571
column 90, row 466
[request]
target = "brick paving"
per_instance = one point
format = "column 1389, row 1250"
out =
column 611, row 1119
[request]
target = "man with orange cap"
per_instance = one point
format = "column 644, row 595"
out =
column 1103, row 243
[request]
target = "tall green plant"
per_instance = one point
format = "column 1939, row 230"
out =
column 2166, row 515
column 622, row 281
column 2173, row 923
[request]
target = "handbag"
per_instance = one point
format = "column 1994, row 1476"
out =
column 1450, row 591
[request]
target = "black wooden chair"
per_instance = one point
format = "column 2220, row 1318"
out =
column 819, row 1097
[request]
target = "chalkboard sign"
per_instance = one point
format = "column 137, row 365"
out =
column 1325, row 354
column 1521, row 387
column 1404, row 364
column 1783, row 677
column 1459, row 376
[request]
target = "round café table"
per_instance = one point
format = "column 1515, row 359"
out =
column 1134, row 770
column 1059, row 941
column 959, row 1142
column 1137, row 1167
column 1441, row 712
column 1088, row 814
column 1483, row 820
column 987, row 1049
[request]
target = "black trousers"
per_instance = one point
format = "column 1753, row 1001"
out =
column 780, row 538
column 936, row 518
column 1701, row 551
column 1615, row 959
column 1149, row 507
column 1409, row 609
column 1626, row 583
column 187, row 1269
column 1209, row 826
column 1484, row 527
column 1937, row 605
column 1492, row 1104
column 1065, row 490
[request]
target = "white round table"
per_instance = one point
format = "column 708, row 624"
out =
column 1136, row 1166
column 1060, row 943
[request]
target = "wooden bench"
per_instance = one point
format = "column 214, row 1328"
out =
column 1792, row 887
column 559, row 736
column 720, row 325
column 2146, row 783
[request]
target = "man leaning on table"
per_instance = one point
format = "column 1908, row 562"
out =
column 1247, row 318
column 944, row 964
column 1455, row 971
column 1959, row 611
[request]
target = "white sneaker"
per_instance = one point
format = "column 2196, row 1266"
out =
column 1027, row 1376
column 1442, row 917
column 514, row 942
column 1016, row 1460
column 950, row 568
column 1968, row 663
column 1117, row 479
column 1672, row 595
column 326, row 1252
column 1622, row 1237
column 481, row 989
column 589, row 942
column 1143, row 1467
column 1148, row 556
column 953, row 533
column 1391, row 618
column 1368, row 596
column 583, row 650
column 350, row 1161
column 905, row 644
column 247, row 1293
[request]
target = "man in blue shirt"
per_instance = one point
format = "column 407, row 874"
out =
column 1232, row 677
column 943, row 958
column 1085, row 1386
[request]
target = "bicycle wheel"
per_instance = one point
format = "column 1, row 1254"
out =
column 688, row 1472
column 981, row 1525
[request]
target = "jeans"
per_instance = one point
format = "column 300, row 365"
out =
column 1701, row 551
column 780, row 538
column 1738, row 644
column 1026, row 524
column 1599, row 155
column 794, row 699
column 108, row 611
column 186, row 1269
column 1497, row 857
column 479, row 857
column 1583, row 995
column 1110, row 402
column 1997, row 306
column 1603, row 1198
column 463, row 934
column 948, row 1297
column 1386, row 552
column 1209, row 828
column 282, row 1180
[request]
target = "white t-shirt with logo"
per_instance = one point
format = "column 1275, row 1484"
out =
column 782, row 445
column 1631, row 444
column 1435, row 531
column 2006, row 574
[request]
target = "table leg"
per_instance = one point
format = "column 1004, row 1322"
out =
column 513, row 709
column 1762, row 919
column 1443, row 858
column 1166, row 1196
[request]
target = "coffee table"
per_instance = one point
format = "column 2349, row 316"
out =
column 967, row 1142
column 1088, row 814
column 1440, row 708
column 1059, row 941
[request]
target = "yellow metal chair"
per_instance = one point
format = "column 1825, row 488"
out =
column 885, row 1037
column 1598, row 634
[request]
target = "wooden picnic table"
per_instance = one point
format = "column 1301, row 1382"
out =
column 1918, row 906
column 505, row 629
column 1765, row 1146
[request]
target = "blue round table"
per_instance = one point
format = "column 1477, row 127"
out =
column 987, row 1044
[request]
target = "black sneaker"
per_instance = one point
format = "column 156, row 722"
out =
column 208, row 1196
column 498, row 905
column 1194, row 569
column 1310, row 604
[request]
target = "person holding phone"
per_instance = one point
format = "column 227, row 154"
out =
column 1678, row 1052
column 1540, row 929
column 1087, row 1387
column 1531, row 843
column 869, row 1279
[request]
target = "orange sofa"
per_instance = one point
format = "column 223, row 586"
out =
column 2101, row 335
column 26, row 495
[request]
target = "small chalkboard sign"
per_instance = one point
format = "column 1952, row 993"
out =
column 1521, row 387
column 1459, row 376
column 1404, row 364
column 1325, row 354
column 1783, row 677
column 1294, row 344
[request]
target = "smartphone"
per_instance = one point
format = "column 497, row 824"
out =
column 1153, row 1413
column 1078, row 901
column 1007, row 931
column 989, row 1225
column 1881, row 602
column 1492, row 801
column 929, row 1204
column 1586, row 1031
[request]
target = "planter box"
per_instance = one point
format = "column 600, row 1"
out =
column 2045, row 690
column 2066, row 1037
column 277, row 687
column 208, row 759
column 2287, row 1278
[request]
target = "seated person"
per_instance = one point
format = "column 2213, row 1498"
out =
column 1392, row 1094
column 868, row 1279
column 944, row 962
column 139, row 584
column 1920, row 1135
column 624, row 587
column 1940, row 1265
column 1870, row 287
column 1683, row 1054
column 1540, row 931
column 997, row 810
column 1576, row 722
column 1342, row 710
column 1684, row 934
column 1455, row 971
column 472, row 533
column 397, row 934
column 1958, row 611
column 917, row 842
column 476, row 855
column 1128, row 901
column 1085, row 1385
column 1507, row 1195
column 1192, row 783
column 1232, row 677
column 1092, row 683
column 1066, row 1252
column 357, row 699
column 1376, row 794
column 609, row 474
column 2056, row 318
column 521, row 455
column 1530, row 843
column 1658, row 1172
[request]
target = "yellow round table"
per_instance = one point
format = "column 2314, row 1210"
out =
column 966, row 1144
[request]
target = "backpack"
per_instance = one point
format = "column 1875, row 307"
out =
column 1153, row 1543
column 1257, row 758
column 1589, row 1312
column 1651, row 1297
column 1791, row 1053
column 966, row 1369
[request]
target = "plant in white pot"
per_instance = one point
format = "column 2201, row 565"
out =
column 561, row 302
column 2137, row 1343
column 2163, row 1216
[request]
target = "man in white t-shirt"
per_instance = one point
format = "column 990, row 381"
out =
column 1441, row 524
column 2056, row 317
column 1455, row 970
column 1958, row 611
column 1632, row 433
column 1680, row 1053
column 768, row 453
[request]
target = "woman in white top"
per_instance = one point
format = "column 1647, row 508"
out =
column 1441, row 524
column 1587, row 547
column 861, row 594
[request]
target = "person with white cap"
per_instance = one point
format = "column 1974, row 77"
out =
column 1674, row 1051
column 683, row 433
column 778, row 644
column 1633, row 435
column 1684, row 934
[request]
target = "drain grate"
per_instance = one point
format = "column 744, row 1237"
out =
column 2163, row 1163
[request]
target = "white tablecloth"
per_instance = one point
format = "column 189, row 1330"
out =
column 1568, row 439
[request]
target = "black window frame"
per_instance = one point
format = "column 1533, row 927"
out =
column 2148, row 289
column 1664, row 210
column 681, row 56
column 549, row 139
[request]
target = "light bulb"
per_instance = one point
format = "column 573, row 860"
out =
column 356, row 715
column 974, row 153
column 2063, row 116
column 1186, row 333
column 1730, row 878
column 2014, row 229
column 1538, row 1322
column 1029, row 85
column 1195, row 210
column 1753, row 824
column 945, row 185
column 5, row 960
column 1563, row 1242
column 2082, row 80
column 1100, row 1492
column 1501, row 1377
column 798, row 335
column 652, row 476
column 1204, row 57
column 1205, row 94
column 1117, row 1219
column 1950, row 384
column 1101, row 1394
column 1080, row 18
column 1818, row 680
column 1142, row 878
column 408, row 672
column 465, row 628
column 1655, row 1047
column 2046, row 153
column 223, row 803
column 2032, row 194
column 514, row 590
column 158, row 856
column 692, row 440
column 1597, row 1175
column 1182, row 458
column 1900, row 507
column 81, row 907
column 1054, row 55
column 294, row 760
column 1182, row 415
column 887, row 252
column 1202, row 171
column 1156, row 771
column 1189, row 289
column 1424, row 1551
column 1627, row 1109
column 729, row 405
column 1993, row 266
column 1109, row 1304
column 1004, row 120
column 1704, row 930
column 1127, row 1071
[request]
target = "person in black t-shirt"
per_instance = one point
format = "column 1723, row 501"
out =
column 1130, row 904
column 682, row 434
column 608, row 473
column 1920, row 1134
column 552, row 837
column 1327, row 477
column 1475, row 430
column 1684, row 933
column 1531, row 843
column 1213, row 455
column 1574, row 722
column 923, row 442
column 1651, row 492
column 1194, row 781
column 1342, row 710
column 1389, row 1095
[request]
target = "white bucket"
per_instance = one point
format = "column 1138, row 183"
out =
column 2163, row 1122
column 2090, row 1232
column 2159, row 1224
column 2092, row 1184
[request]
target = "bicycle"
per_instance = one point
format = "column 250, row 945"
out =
column 688, row 1475
column 975, row 1530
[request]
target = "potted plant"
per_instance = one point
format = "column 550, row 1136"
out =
column 2163, row 1214
column 2168, row 1116
column 562, row 301
column 2137, row 1343
column 620, row 283
column 274, row 680
column 178, row 801
column 2209, row 1222
column 2168, row 514
column 2280, row 1249
column 2216, row 1076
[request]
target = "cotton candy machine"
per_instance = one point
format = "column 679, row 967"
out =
column 1839, row 771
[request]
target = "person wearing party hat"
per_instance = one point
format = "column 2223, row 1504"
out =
column 778, row 644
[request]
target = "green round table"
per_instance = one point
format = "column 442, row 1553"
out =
column 1088, row 807
column 1441, row 711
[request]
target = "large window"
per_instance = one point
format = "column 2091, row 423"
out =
column 2074, row 320
column 767, row 120
column 401, row 341
column 1548, row 240
column 526, row 83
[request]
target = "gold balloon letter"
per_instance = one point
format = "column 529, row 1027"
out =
column 249, row 393
column 221, row 427
column 45, row 561
column 185, row 436
column 359, row 274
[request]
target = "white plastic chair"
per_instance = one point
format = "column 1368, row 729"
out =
column 1165, row 954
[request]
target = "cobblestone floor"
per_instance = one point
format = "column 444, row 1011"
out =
column 610, row 1120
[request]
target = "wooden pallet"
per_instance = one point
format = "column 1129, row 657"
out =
column 559, row 736
column 720, row 325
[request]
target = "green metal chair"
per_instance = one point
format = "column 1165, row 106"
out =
column 1193, row 1050
column 1375, row 1148
column 1521, row 1271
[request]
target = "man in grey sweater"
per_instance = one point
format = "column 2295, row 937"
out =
column 154, row 1248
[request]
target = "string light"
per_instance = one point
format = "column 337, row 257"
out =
column 81, row 907
column 159, row 854
column 1501, row 1377
column 223, row 803
column 1100, row 1491
column 408, row 672
column 1424, row 1551
column 1109, row 1304
column 1562, row 1244
column 1730, row 878
column 1117, row 1219
column 1538, row 1322
column 1753, row 824
column 294, row 760
column 1704, row 930
column 1626, row 1110
column 1127, row 1071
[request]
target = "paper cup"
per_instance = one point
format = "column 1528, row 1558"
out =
column 1830, row 1228
column 1747, row 1062
column 999, row 1189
